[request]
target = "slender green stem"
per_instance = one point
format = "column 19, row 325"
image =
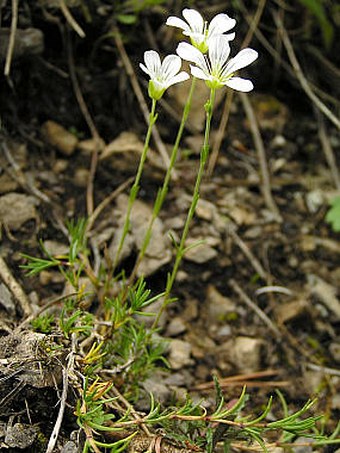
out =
column 181, row 247
column 164, row 189
column 135, row 188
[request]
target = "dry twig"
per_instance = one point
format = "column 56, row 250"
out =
column 253, row 25
column 246, row 299
column 99, row 209
column 10, row 49
column 7, row 277
column 231, row 229
column 19, row 176
column 131, row 410
column 70, row 19
column 247, row 379
column 54, row 435
column 90, row 123
column 261, row 154
column 273, row 289
column 66, row 371
column 300, row 75
column 323, row 369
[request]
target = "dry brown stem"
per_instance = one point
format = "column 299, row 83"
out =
column 300, row 75
column 99, row 209
column 246, row 299
column 90, row 123
column 10, row 49
column 246, row 379
column 20, row 177
column 257, row 266
column 7, row 277
column 70, row 19
column 261, row 155
column 131, row 409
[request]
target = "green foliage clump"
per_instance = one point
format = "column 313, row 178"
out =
column 43, row 323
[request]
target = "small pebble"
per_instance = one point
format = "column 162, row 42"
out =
column 81, row 177
column 200, row 254
column 175, row 327
column 16, row 209
column 180, row 354
column 59, row 137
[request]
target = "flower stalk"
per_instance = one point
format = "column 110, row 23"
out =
column 135, row 187
column 164, row 189
column 181, row 249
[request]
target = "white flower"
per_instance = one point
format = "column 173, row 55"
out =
column 217, row 70
column 162, row 75
column 199, row 31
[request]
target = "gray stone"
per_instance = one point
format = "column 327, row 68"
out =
column 217, row 305
column 303, row 448
column 176, row 327
column 28, row 41
column 325, row 292
column 6, row 299
column 200, row 253
column 59, row 137
column 244, row 353
column 247, row 353
column 21, row 436
column 16, row 209
column 70, row 447
column 157, row 387
column 56, row 248
column 179, row 354
column 205, row 210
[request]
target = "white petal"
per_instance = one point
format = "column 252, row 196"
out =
column 144, row 68
column 190, row 53
column 219, row 50
column 220, row 24
column 230, row 36
column 242, row 59
column 197, row 72
column 181, row 77
column 170, row 66
column 194, row 19
column 152, row 62
column 239, row 84
column 177, row 22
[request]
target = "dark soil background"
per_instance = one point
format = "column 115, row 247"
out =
column 258, row 302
